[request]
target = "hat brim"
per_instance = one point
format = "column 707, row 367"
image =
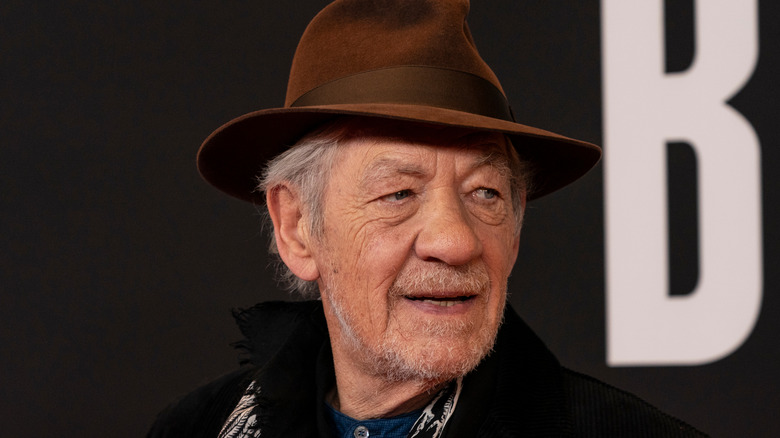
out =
column 233, row 156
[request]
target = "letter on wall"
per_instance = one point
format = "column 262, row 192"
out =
column 644, row 108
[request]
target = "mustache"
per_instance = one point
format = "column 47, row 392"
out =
column 471, row 279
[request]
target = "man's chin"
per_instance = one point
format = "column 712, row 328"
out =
column 432, row 362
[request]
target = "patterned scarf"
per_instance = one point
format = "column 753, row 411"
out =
column 242, row 422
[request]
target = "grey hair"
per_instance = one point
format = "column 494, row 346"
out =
column 307, row 165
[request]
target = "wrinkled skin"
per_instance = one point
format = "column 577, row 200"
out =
column 412, row 266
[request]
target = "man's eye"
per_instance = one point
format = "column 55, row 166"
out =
column 398, row 196
column 486, row 193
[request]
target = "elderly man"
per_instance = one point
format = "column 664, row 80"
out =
column 396, row 179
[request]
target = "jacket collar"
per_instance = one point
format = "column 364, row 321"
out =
column 516, row 391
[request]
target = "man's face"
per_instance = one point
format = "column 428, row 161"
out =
column 419, row 241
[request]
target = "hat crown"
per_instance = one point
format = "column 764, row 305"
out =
column 354, row 36
column 410, row 60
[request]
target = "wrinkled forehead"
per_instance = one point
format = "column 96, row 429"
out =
column 368, row 142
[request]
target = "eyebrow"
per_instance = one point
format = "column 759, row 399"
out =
column 492, row 158
column 387, row 167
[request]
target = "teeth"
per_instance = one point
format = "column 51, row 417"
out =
column 441, row 303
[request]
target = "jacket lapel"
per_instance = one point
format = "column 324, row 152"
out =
column 516, row 391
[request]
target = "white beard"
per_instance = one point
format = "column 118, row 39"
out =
column 394, row 358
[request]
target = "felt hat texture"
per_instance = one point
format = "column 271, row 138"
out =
column 410, row 60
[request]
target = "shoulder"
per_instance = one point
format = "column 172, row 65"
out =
column 268, row 328
column 203, row 411
column 599, row 409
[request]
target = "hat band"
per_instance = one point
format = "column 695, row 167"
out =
column 414, row 85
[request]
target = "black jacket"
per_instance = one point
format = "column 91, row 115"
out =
column 520, row 390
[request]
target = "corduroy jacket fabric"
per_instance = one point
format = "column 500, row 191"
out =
column 520, row 390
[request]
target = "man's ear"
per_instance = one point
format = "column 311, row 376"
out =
column 291, row 232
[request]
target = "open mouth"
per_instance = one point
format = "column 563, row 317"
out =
column 442, row 301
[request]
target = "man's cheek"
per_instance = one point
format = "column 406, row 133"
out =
column 386, row 245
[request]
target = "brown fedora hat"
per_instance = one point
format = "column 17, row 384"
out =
column 411, row 60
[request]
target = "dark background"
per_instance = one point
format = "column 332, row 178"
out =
column 119, row 266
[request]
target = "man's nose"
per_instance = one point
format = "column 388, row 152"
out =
column 447, row 234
